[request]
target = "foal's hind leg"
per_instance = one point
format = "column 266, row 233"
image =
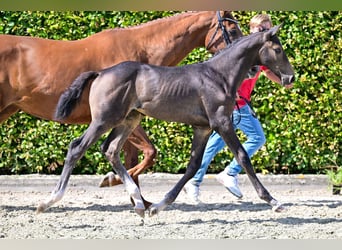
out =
column 114, row 144
column 201, row 136
column 228, row 134
column 137, row 140
column 112, row 178
column 76, row 150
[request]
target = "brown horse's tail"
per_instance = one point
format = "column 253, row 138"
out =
column 72, row 95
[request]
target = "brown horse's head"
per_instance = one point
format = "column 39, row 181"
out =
column 224, row 29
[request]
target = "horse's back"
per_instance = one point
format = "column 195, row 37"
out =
column 28, row 49
column 112, row 78
column 153, row 77
column 152, row 90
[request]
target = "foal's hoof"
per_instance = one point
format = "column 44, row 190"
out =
column 110, row 180
column 152, row 210
column 140, row 212
column 277, row 206
column 41, row 208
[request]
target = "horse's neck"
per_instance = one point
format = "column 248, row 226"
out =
column 165, row 41
column 171, row 39
column 234, row 63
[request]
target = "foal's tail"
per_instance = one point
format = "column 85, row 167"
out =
column 72, row 95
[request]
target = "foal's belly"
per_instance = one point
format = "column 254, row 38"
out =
column 176, row 113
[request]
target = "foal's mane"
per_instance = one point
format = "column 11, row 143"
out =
column 233, row 44
column 229, row 46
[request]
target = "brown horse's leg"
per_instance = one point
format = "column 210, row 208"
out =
column 131, row 159
column 131, row 154
column 137, row 140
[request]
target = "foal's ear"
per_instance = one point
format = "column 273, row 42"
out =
column 275, row 29
column 272, row 32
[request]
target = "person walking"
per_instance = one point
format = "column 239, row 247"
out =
column 244, row 119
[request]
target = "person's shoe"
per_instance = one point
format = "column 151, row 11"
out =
column 192, row 192
column 230, row 182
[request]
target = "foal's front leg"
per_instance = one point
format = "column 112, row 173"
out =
column 228, row 134
column 201, row 136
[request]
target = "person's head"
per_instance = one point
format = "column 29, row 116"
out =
column 259, row 23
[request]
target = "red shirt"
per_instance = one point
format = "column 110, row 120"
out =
column 247, row 87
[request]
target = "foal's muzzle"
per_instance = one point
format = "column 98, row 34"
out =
column 287, row 79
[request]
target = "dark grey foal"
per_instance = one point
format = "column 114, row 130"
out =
column 201, row 95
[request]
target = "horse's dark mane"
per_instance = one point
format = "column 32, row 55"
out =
column 232, row 44
column 227, row 47
column 219, row 52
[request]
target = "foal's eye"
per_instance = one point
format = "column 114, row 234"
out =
column 277, row 50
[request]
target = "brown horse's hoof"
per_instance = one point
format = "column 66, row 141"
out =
column 110, row 180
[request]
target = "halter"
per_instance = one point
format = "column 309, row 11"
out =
column 220, row 25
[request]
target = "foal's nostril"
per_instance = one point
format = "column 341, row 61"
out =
column 292, row 79
column 287, row 79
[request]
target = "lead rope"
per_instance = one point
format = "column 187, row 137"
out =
column 249, row 103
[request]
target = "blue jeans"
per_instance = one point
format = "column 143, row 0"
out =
column 250, row 126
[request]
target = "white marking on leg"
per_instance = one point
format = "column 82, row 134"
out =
column 54, row 197
column 134, row 193
column 157, row 207
column 277, row 206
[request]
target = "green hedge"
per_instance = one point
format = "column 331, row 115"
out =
column 302, row 125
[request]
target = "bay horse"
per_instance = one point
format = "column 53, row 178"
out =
column 30, row 68
column 201, row 95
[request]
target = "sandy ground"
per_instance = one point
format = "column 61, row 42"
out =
column 89, row 212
